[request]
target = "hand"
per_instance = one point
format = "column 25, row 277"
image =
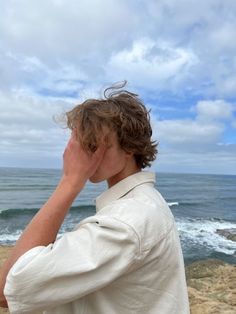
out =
column 78, row 165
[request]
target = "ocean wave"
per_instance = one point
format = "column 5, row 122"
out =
column 11, row 212
column 173, row 204
column 17, row 211
column 203, row 232
column 194, row 232
column 10, row 238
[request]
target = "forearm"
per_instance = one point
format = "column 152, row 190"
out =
column 43, row 228
column 78, row 166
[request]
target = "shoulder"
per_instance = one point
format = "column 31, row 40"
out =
column 145, row 211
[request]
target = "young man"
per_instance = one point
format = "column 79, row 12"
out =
column 126, row 258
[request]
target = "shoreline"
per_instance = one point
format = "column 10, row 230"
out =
column 211, row 285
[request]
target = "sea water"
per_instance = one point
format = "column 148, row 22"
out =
column 200, row 203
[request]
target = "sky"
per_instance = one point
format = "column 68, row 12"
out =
column 179, row 56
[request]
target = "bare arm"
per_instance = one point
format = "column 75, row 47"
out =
column 43, row 228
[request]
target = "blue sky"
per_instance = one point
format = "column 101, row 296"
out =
column 178, row 55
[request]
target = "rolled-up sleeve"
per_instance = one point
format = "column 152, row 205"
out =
column 99, row 251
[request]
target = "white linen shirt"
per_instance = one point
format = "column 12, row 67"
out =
column 126, row 259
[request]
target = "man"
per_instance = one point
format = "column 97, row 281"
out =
column 126, row 258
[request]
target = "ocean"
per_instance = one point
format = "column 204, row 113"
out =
column 200, row 203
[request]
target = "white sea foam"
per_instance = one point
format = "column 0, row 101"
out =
column 173, row 204
column 3, row 210
column 199, row 232
column 10, row 237
column 203, row 232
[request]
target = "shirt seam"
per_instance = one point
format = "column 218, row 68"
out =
column 162, row 237
column 133, row 229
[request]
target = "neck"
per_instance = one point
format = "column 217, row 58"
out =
column 126, row 172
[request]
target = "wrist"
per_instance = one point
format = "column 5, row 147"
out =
column 71, row 185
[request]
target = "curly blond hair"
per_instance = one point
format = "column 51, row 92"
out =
column 119, row 111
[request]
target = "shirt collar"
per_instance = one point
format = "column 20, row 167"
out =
column 123, row 187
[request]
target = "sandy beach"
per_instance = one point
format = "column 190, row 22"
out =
column 4, row 251
column 211, row 286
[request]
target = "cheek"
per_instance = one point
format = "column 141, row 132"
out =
column 111, row 165
column 113, row 162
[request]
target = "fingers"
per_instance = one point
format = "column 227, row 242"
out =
column 100, row 150
column 73, row 137
column 75, row 143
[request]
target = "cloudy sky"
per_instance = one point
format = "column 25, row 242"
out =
column 178, row 55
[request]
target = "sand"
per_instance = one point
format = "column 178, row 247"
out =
column 211, row 286
column 4, row 251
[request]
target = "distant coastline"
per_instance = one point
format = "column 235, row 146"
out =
column 147, row 169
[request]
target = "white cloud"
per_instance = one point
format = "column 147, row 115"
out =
column 197, row 145
column 214, row 110
column 187, row 132
column 152, row 65
column 201, row 134
column 187, row 162
column 175, row 45
column 27, row 127
column 32, row 74
column 57, row 29
column 55, row 53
